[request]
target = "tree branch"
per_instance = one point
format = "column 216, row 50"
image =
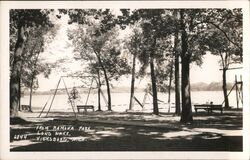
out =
column 225, row 34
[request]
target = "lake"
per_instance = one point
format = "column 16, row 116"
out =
column 120, row 101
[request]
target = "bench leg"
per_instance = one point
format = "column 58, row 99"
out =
column 30, row 109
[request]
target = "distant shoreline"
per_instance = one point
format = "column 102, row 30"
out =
column 95, row 92
column 200, row 86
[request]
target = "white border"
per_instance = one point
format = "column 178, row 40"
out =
column 124, row 4
column 4, row 79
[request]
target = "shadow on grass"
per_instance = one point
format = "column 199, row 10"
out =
column 18, row 120
column 141, row 143
column 225, row 121
column 107, row 137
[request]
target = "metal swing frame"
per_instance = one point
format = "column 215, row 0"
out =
column 65, row 87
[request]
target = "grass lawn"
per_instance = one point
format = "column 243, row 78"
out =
column 111, row 131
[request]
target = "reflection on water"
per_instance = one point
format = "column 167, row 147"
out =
column 120, row 101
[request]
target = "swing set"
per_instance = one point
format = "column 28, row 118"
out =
column 238, row 86
column 72, row 96
column 146, row 95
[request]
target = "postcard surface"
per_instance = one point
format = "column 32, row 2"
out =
column 124, row 80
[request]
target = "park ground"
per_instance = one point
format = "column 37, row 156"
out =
column 127, row 131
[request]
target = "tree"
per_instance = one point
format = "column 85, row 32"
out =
column 229, row 54
column 22, row 20
column 154, row 25
column 224, row 39
column 32, row 64
column 229, row 23
column 97, row 41
column 195, row 27
column 89, row 48
column 176, row 75
column 133, row 44
column 192, row 49
column 150, row 36
column 176, row 61
column 164, row 69
column 29, row 61
column 157, row 26
column 186, row 114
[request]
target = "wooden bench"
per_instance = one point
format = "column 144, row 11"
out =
column 208, row 107
column 26, row 108
column 85, row 107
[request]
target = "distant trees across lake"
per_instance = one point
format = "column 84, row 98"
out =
column 213, row 86
column 200, row 86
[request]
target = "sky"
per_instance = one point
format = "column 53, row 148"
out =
column 61, row 48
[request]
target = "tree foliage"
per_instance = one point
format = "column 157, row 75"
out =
column 87, row 42
column 97, row 42
column 21, row 23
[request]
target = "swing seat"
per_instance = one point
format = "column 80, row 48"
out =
column 85, row 107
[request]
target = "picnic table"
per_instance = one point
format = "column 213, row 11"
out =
column 208, row 107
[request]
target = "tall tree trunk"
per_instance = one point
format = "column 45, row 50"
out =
column 15, row 73
column 186, row 114
column 176, row 73
column 20, row 85
column 177, row 86
column 99, row 90
column 19, row 94
column 224, row 87
column 176, row 66
column 31, row 92
column 170, row 84
column 132, row 84
column 32, row 78
column 106, row 80
column 108, row 89
column 153, row 79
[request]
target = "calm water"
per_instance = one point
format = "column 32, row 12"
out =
column 120, row 101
